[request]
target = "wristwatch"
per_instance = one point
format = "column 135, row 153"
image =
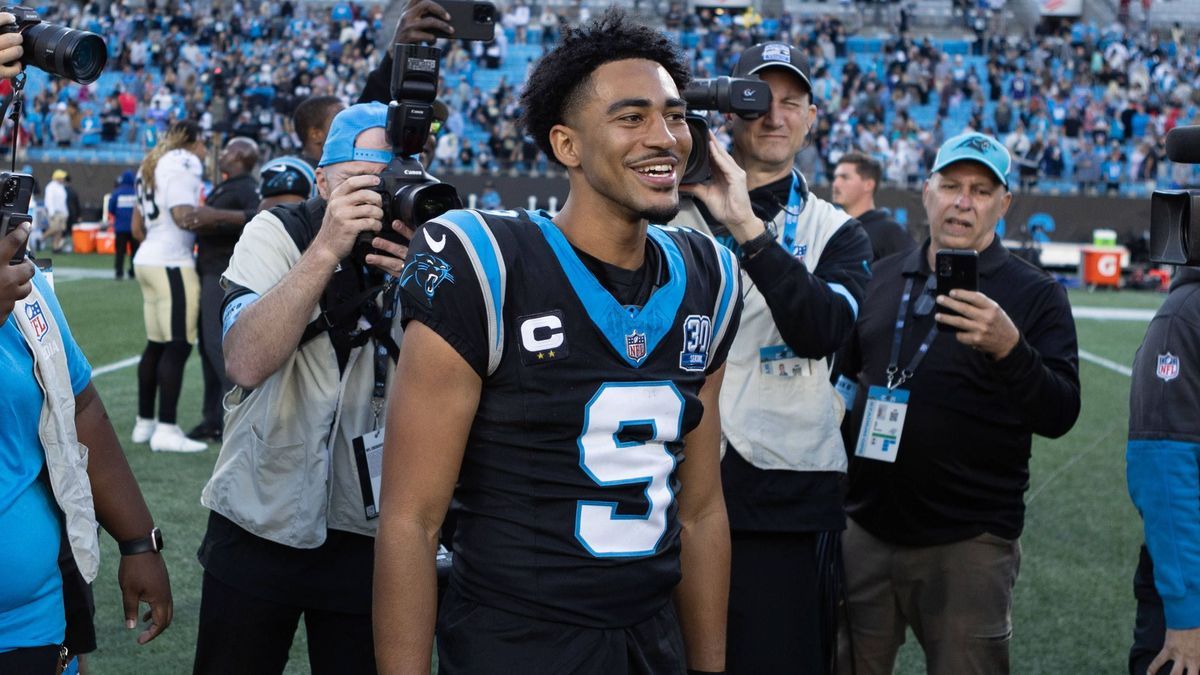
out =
column 752, row 247
column 150, row 544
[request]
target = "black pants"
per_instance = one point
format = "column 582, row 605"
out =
column 777, row 620
column 30, row 660
column 244, row 635
column 212, row 359
column 478, row 639
column 1150, row 630
column 125, row 241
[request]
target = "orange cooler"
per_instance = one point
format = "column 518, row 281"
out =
column 83, row 238
column 106, row 242
column 1101, row 266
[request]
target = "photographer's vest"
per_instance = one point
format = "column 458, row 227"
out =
column 779, row 422
column 66, row 457
column 287, row 470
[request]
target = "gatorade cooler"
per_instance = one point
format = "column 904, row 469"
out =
column 83, row 237
column 106, row 242
column 1101, row 266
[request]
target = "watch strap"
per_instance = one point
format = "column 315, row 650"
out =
column 151, row 543
column 763, row 241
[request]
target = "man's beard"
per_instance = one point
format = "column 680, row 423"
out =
column 660, row 215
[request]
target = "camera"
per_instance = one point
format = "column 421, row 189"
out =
column 16, row 189
column 409, row 193
column 65, row 52
column 1175, row 214
column 748, row 98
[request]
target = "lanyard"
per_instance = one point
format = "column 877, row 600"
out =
column 895, row 376
column 383, row 345
column 790, row 222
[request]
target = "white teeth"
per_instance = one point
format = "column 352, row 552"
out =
column 657, row 169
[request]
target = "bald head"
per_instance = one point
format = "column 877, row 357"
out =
column 239, row 157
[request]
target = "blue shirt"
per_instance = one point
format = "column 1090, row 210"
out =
column 120, row 204
column 31, row 600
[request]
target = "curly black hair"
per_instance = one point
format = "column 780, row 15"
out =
column 559, row 79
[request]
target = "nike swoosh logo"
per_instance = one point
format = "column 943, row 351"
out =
column 435, row 245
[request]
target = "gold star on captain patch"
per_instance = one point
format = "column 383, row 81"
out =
column 551, row 355
column 541, row 356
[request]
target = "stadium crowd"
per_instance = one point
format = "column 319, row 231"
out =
column 1083, row 108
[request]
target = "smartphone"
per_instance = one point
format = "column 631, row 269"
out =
column 471, row 20
column 16, row 189
column 955, row 268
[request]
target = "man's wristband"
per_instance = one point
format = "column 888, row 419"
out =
column 753, row 247
column 149, row 544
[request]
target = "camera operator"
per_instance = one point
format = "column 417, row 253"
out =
column 1161, row 456
column 804, row 271
column 309, row 338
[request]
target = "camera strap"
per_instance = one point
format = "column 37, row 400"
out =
column 15, row 103
column 895, row 376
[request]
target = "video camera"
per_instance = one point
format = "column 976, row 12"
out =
column 409, row 193
column 1175, row 214
column 748, row 98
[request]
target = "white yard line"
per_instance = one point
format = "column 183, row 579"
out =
column 1101, row 361
column 113, row 367
column 1113, row 314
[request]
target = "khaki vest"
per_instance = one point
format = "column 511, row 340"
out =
column 66, row 457
column 779, row 422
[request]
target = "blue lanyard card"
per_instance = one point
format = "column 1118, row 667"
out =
column 883, row 422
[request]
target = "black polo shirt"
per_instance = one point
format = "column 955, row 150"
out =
column 239, row 193
column 963, row 462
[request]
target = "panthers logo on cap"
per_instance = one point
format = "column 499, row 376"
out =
column 979, row 144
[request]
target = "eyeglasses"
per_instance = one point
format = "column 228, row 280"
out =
column 435, row 127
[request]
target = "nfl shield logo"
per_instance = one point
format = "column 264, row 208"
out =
column 635, row 346
column 37, row 319
column 1168, row 367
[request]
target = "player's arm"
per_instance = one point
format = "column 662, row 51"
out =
column 432, row 404
column 702, row 597
column 138, row 224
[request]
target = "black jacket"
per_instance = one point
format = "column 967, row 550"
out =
column 887, row 236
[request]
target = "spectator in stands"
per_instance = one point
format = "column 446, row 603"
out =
column 942, row 459
column 56, row 210
column 855, row 181
column 804, row 266
column 1112, row 169
column 218, row 225
column 170, row 183
column 62, row 131
column 121, row 204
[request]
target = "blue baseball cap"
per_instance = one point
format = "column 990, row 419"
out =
column 345, row 128
column 975, row 147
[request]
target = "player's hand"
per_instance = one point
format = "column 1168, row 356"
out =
column 11, row 50
column 143, row 578
column 391, row 256
column 417, row 21
column 16, row 281
column 725, row 194
column 352, row 208
column 1182, row 647
column 983, row 326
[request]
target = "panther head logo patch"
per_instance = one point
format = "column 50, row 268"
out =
column 428, row 272
column 980, row 145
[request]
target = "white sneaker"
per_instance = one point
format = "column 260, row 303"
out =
column 170, row 438
column 143, row 429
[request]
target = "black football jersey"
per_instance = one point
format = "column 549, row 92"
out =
column 565, row 502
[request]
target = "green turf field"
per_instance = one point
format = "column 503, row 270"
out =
column 1074, row 605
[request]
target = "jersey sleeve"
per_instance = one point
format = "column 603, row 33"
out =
column 728, row 312
column 454, row 283
column 77, row 364
column 177, row 180
column 1163, row 459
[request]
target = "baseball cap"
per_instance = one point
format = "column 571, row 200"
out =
column 772, row 55
column 345, row 128
column 58, row 174
column 976, row 147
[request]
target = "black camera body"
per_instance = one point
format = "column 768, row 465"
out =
column 408, row 192
column 16, row 190
column 748, row 98
column 77, row 55
column 1175, row 214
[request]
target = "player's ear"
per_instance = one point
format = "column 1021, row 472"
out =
column 565, row 143
column 322, row 182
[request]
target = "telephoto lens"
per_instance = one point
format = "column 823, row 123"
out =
column 65, row 52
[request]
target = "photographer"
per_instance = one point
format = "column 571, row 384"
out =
column 1164, row 441
column 288, row 535
column 804, row 271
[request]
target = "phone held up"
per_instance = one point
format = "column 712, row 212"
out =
column 471, row 20
column 955, row 268
column 16, row 189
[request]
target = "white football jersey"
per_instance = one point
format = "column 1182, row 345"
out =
column 178, row 181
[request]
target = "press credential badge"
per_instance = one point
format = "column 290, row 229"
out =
column 883, row 422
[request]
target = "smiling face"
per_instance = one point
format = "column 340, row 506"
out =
column 625, row 143
column 964, row 202
column 772, row 141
